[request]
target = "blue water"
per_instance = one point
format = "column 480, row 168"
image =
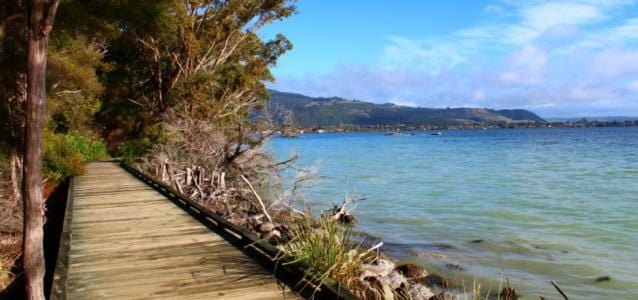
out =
column 547, row 204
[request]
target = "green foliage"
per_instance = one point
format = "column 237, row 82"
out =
column 73, row 86
column 197, row 59
column 130, row 150
column 65, row 154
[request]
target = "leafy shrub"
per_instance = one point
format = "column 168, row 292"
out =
column 65, row 154
column 130, row 150
column 137, row 146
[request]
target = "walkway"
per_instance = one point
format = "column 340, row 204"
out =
column 129, row 242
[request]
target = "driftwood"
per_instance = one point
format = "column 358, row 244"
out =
column 559, row 290
column 243, row 207
column 261, row 202
column 342, row 213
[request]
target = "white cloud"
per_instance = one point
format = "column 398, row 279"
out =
column 628, row 30
column 613, row 63
column 524, row 66
column 537, row 18
column 633, row 86
column 560, row 32
column 478, row 95
column 543, row 16
column 432, row 57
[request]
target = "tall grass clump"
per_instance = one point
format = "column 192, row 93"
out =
column 327, row 250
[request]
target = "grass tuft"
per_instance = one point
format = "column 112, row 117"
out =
column 327, row 250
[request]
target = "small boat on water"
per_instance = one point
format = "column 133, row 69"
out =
column 437, row 133
column 392, row 133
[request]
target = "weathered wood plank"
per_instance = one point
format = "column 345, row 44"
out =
column 129, row 242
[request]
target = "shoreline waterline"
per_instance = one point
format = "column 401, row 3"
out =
column 547, row 204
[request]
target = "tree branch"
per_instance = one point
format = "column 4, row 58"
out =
column 68, row 92
column 47, row 22
column 261, row 202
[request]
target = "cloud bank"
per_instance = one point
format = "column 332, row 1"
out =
column 558, row 58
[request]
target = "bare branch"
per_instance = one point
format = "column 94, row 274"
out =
column 263, row 207
column 68, row 92
column 135, row 102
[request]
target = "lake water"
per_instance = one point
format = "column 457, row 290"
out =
column 531, row 204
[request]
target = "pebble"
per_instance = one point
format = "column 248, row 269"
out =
column 420, row 292
column 383, row 267
column 395, row 280
column 411, row 271
column 266, row 227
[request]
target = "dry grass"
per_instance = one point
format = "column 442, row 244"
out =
column 4, row 275
column 10, row 228
column 10, row 216
column 9, row 252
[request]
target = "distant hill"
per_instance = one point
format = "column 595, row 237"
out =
column 308, row 111
column 600, row 119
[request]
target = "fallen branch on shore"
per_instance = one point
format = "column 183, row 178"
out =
column 261, row 202
column 343, row 213
column 559, row 290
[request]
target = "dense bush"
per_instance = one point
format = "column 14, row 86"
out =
column 131, row 150
column 65, row 154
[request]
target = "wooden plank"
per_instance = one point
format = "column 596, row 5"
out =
column 129, row 242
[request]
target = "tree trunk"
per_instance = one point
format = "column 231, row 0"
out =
column 40, row 22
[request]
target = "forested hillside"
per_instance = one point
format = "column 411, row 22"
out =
column 306, row 111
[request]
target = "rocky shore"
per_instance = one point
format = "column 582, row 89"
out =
column 401, row 276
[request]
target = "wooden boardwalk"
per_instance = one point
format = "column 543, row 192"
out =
column 129, row 242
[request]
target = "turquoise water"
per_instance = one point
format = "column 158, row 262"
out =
column 532, row 204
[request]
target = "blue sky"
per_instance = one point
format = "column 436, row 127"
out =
column 556, row 58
